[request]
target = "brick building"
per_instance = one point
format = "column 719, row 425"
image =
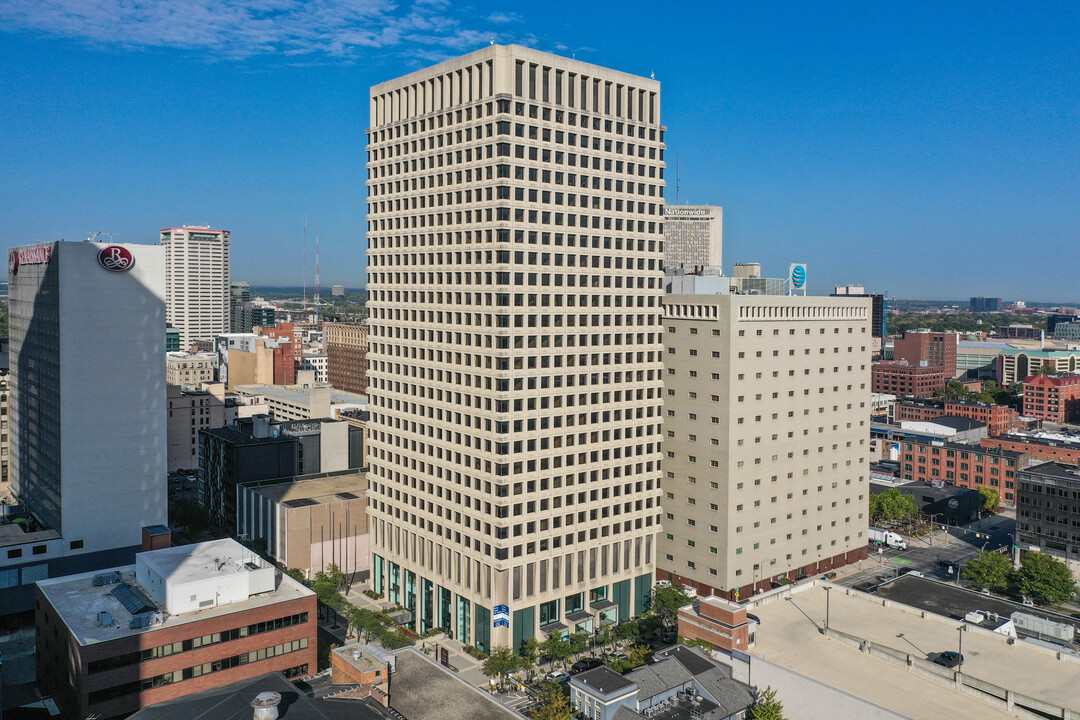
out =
column 928, row 349
column 999, row 419
column 346, row 356
column 904, row 379
column 717, row 621
column 1052, row 397
column 969, row 466
column 181, row 620
column 1038, row 447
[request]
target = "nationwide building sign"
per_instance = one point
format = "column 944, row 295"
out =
column 501, row 616
column 685, row 212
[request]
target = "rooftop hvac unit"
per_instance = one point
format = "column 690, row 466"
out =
column 104, row 618
column 109, row 578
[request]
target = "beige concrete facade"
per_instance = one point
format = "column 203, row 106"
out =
column 693, row 237
column 189, row 412
column 310, row 523
column 182, row 368
column 197, row 288
column 515, row 267
column 766, row 431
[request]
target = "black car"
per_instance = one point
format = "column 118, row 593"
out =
column 949, row 659
column 585, row 664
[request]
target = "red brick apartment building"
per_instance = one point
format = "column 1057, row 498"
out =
column 928, row 349
column 181, row 620
column 904, row 380
column 968, row 466
column 999, row 419
column 1037, row 448
column 1052, row 397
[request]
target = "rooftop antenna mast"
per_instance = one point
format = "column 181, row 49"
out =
column 676, row 178
column 305, row 266
column 317, row 312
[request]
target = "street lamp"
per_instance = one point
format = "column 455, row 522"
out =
column 827, row 596
column 960, row 648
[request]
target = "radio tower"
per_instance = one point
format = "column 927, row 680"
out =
column 305, row 268
column 317, row 311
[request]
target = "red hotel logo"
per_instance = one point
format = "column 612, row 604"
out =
column 13, row 262
column 34, row 255
column 116, row 259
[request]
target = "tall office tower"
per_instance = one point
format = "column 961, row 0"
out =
column 88, row 433
column 765, row 450
column 985, row 304
column 197, row 292
column 240, row 307
column 516, row 243
column 693, row 237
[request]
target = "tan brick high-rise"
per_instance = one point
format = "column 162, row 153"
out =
column 515, row 264
column 765, row 446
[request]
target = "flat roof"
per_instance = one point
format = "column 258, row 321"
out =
column 789, row 636
column 321, row 489
column 78, row 601
column 302, row 396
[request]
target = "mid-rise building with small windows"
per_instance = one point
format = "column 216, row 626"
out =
column 693, row 237
column 183, row 368
column 765, row 439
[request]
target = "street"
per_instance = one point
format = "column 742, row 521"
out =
column 956, row 545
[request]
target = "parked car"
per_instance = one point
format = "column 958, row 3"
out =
column 669, row 637
column 585, row 664
column 866, row 587
column 557, row 676
column 829, row 576
column 618, row 655
column 949, row 659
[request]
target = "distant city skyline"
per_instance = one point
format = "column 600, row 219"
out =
column 907, row 149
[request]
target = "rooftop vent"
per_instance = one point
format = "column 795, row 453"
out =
column 109, row 578
column 266, row 705
column 104, row 618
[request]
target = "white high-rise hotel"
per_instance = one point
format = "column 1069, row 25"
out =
column 197, row 287
column 515, row 264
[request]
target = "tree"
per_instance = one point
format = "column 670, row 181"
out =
column 636, row 656
column 335, row 576
column 553, row 704
column 556, row 648
column 579, row 642
column 530, row 650
column 988, row 499
column 892, row 505
column 989, row 570
column 189, row 515
column 953, row 390
column 297, row 575
column 629, row 630
column 1044, row 579
column 605, row 635
column 667, row 598
column 767, row 707
column 501, row 662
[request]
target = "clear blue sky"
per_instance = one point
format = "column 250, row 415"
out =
column 927, row 149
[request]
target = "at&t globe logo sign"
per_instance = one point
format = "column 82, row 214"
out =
column 798, row 275
column 116, row 259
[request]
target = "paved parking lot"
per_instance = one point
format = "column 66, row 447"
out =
column 789, row 637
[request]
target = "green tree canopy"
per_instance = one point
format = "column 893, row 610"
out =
column 892, row 505
column 502, row 662
column 1045, row 579
column 953, row 390
column 988, row 498
column 629, row 630
column 556, row 648
column 767, row 706
column 553, row 704
column 667, row 598
column 989, row 570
